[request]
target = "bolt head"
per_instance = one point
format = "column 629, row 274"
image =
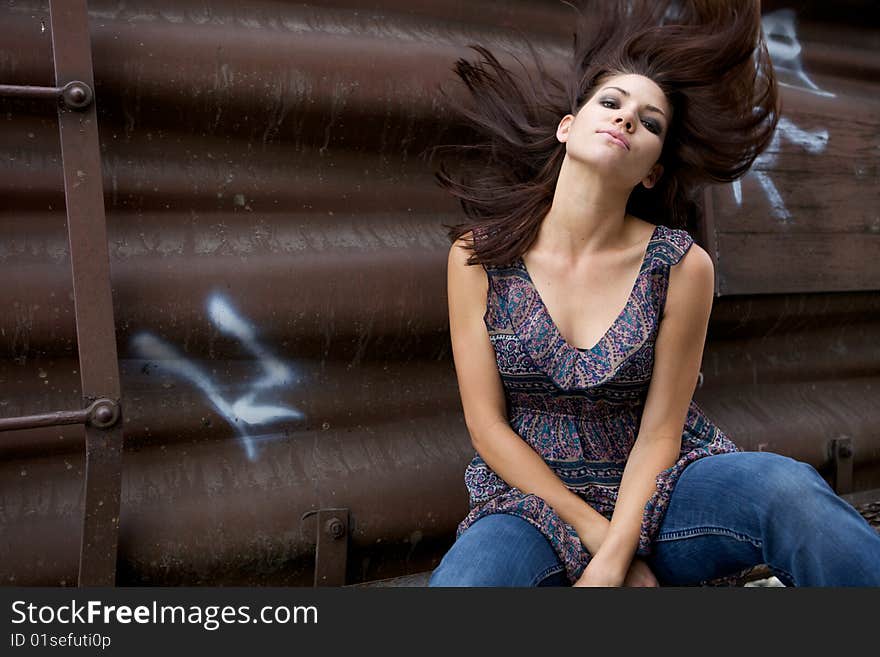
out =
column 103, row 414
column 76, row 95
column 335, row 528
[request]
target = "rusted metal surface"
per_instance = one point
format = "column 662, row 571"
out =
column 90, row 268
column 842, row 458
column 277, row 262
column 806, row 218
column 331, row 549
column 87, row 239
column 201, row 513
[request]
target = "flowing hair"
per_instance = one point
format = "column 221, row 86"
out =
column 710, row 59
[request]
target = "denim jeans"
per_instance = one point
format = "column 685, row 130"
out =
column 727, row 512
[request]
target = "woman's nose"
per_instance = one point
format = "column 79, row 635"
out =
column 627, row 123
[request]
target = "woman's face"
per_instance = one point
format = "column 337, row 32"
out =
column 635, row 109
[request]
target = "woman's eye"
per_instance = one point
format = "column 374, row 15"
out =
column 650, row 126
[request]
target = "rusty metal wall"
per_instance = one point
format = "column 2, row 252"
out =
column 807, row 216
column 278, row 272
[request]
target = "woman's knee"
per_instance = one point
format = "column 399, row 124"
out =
column 457, row 574
column 765, row 485
column 791, row 483
column 469, row 573
column 497, row 550
column 792, row 492
column 768, row 475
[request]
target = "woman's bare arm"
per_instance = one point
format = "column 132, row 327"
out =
column 482, row 396
column 678, row 354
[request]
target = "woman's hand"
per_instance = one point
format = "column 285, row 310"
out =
column 639, row 574
column 599, row 572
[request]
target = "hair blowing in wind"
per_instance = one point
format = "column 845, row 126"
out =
column 709, row 58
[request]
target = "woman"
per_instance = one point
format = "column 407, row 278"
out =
column 594, row 465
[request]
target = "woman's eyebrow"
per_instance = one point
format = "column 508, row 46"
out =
column 650, row 108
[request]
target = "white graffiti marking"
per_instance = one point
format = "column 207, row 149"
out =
column 785, row 51
column 812, row 141
column 243, row 412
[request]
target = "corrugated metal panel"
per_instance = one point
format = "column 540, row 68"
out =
column 806, row 218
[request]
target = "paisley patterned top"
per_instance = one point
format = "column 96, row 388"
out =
column 580, row 409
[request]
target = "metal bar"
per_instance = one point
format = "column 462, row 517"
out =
column 331, row 550
column 93, row 302
column 102, row 413
column 75, row 94
column 19, row 91
column 842, row 460
column 44, row 420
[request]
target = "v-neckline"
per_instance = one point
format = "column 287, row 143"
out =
column 588, row 350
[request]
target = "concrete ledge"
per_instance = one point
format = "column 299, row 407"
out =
column 417, row 579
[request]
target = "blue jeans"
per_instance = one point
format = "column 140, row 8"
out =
column 728, row 512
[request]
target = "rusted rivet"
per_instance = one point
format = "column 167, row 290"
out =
column 334, row 527
column 76, row 95
column 104, row 413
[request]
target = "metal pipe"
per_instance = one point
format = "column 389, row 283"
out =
column 76, row 95
column 55, row 419
column 26, row 91
column 103, row 413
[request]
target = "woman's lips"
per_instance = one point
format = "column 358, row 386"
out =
column 620, row 141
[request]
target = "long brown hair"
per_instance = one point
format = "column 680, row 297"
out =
column 710, row 59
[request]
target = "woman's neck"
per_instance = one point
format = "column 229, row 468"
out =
column 588, row 215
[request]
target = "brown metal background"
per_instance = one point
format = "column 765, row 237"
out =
column 278, row 275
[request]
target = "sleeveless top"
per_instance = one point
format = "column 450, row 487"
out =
column 580, row 409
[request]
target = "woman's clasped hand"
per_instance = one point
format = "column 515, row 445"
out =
column 600, row 573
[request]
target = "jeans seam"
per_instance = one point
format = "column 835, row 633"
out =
column 785, row 573
column 680, row 534
column 552, row 570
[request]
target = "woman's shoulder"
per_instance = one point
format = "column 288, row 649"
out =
column 671, row 244
column 467, row 285
column 461, row 249
column 460, row 270
column 472, row 243
column 471, row 239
